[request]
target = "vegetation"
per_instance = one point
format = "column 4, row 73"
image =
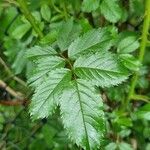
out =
column 74, row 74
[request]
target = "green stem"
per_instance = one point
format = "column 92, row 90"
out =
column 29, row 17
column 142, row 49
column 141, row 98
column 65, row 11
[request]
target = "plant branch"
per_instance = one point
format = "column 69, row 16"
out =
column 13, row 102
column 142, row 50
column 141, row 98
column 10, row 90
column 24, row 8
column 11, row 73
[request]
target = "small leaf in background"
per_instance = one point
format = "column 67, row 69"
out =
column 144, row 112
column 46, row 12
column 12, row 47
column 134, row 4
column 148, row 146
column 124, row 15
column 125, row 132
column 127, row 42
column 111, row 146
column 37, row 16
column 49, row 132
column 69, row 31
column 124, row 146
column 124, row 121
column 85, row 25
column 20, row 62
column 114, row 95
column 16, row 50
column 90, row 5
column 49, row 38
column 130, row 62
column 7, row 18
column 111, row 10
column 37, row 144
column 20, row 31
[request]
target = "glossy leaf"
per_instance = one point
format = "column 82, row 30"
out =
column 38, row 52
column 82, row 114
column 47, row 94
column 93, row 40
column 43, row 67
column 101, row 69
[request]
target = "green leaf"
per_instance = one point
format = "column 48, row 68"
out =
column 134, row 4
column 111, row 10
column 47, row 94
column 124, row 121
column 85, row 25
column 44, row 66
column 130, row 62
column 20, row 62
column 49, row 133
column 128, row 42
column 20, row 31
column 82, row 114
column 37, row 16
column 93, row 40
column 90, row 5
column 68, row 32
column 124, row 146
column 144, row 112
column 49, row 38
column 12, row 48
column 111, row 146
column 38, row 52
column 101, row 69
column 46, row 12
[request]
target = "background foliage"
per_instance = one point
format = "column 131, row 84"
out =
column 107, row 31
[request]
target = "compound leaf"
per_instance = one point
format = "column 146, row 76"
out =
column 82, row 114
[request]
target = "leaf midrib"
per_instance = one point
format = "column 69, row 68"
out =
column 80, row 102
column 52, row 91
column 89, row 68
